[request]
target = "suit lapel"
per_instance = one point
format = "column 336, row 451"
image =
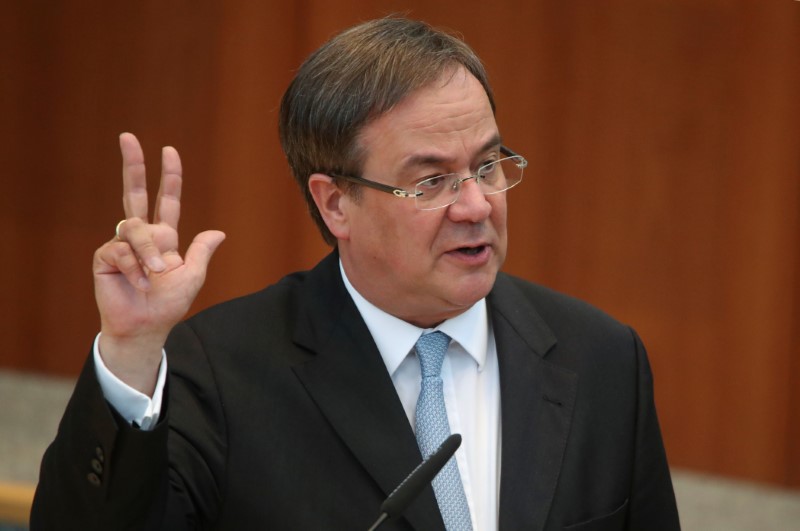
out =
column 537, row 399
column 351, row 386
column 348, row 381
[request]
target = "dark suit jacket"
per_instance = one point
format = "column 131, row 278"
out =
column 280, row 414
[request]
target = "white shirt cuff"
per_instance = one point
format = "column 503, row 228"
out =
column 134, row 406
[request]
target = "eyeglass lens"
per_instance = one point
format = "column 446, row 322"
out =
column 493, row 178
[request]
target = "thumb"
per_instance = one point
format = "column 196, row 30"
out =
column 202, row 248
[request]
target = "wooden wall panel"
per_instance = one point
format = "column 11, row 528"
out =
column 664, row 183
column 669, row 197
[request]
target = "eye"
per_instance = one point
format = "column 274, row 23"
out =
column 432, row 183
column 488, row 168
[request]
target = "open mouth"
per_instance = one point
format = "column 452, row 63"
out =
column 471, row 251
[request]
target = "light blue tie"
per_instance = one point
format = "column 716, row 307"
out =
column 433, row 428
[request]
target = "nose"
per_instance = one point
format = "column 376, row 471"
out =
column 471, row 204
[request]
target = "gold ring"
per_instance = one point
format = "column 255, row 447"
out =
column 119, row 226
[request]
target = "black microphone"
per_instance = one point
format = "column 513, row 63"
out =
column 417, row 480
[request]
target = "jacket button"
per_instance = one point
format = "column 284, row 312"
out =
column 94, row 479
column 101, row 456
column 97, row 466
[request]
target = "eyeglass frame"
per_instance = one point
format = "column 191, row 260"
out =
column 403, row 194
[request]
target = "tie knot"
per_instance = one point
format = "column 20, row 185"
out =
column 430, row 350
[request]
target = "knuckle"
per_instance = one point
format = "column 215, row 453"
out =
column 126, row 261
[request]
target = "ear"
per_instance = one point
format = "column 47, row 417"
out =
column 331, row 202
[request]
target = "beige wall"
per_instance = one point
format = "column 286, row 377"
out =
column 664, row 179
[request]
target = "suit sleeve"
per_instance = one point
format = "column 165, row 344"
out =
column 100, row 473
column 652, row 500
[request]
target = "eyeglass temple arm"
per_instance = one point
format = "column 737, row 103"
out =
column 372, row 184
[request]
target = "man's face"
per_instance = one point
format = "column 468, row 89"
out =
column 427, row 266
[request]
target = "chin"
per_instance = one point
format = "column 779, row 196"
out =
column 473, row 290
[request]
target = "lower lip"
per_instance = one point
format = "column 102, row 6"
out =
column 477, row 259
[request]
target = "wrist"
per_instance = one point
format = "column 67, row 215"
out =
column 134, row 360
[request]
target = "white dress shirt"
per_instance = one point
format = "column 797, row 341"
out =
column 471, row 380
column 134, row 406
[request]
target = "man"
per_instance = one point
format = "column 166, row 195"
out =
column 304, row 405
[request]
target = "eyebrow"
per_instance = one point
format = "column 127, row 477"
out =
column 424, row 159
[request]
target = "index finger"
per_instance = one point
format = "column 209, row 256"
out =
column 134, row 182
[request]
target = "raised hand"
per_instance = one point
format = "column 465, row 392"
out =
column 143, row 286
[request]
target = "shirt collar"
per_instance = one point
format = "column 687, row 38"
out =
column 395, row 338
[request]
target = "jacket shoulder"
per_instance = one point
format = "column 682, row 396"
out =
column 557, row 309
column 267, row 303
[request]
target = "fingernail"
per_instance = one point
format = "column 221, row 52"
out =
column 155, row 263
column 144, row 284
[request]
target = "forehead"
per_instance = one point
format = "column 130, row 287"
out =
column 449, row 121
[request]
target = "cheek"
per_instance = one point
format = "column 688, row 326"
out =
column 411, row 253
column 397, row 235
column 431, row 231
column 382, row 233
